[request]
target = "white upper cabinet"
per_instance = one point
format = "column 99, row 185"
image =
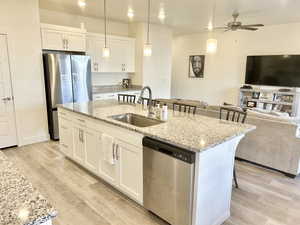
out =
column 122, row 55
column 63, row 38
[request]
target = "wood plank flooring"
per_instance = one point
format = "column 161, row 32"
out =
column 264, row 198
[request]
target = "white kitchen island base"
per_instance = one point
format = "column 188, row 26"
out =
column 213, row 183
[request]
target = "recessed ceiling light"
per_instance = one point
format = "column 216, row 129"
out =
column 130, row 13
column 81, row 3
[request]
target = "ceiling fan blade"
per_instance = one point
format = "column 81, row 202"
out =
column 248, row 28
column 253, row 25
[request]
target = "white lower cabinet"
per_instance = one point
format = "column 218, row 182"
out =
column 130, row 160
column 78, row 144
column 66, row 136
column 114, row 159
column 92, row 149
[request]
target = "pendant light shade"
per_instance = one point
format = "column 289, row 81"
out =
column 148, row 46
column 212, row 43
column 211, row 46
column 105, row 50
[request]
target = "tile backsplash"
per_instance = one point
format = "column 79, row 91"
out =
column 100, row 79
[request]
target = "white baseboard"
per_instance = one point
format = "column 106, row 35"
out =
column 34, row 139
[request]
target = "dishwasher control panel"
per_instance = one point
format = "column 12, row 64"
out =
column 171, row 150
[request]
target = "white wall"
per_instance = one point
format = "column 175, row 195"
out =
column 20, row 20
column 92, row 24
column 225, row 71
column 154, row 71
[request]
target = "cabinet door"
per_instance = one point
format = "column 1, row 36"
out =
column 130, row 57
column 75, row 42
column 130, row 160
column 52, row 40
column 91, row 51
column 92, row 150
column 66, row 137
column 78, row 144
column 108, row 170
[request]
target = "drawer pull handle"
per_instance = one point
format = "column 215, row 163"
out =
column 80, row 120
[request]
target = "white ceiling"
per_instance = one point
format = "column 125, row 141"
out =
column 186, row 16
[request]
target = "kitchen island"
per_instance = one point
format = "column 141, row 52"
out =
column 111, row 149
column 20, row 203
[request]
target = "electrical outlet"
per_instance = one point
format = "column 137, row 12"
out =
column 298, row 132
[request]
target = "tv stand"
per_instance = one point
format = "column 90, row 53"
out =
column 270, row 98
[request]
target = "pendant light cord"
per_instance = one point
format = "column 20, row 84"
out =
column 105, row 21
column 148, row 28
column 214, row 14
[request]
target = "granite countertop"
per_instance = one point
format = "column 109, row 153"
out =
column 114, row 89
column 192, row 132
column 20, row 203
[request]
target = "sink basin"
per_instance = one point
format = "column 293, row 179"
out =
column 136, row 120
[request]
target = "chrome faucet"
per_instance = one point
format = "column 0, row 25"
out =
column 150, row 106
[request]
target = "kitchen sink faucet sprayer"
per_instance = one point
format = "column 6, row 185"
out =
column 150, row 106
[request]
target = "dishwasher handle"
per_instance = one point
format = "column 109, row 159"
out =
column 171, row 150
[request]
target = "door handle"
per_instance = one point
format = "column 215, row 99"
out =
column 113, row 151
column 117, row 151
column 7, row 99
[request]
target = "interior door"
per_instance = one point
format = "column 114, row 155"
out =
column 8, row 135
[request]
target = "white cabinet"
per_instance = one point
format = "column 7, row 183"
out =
column 63, row 38
column 106, row 96
column 130, row 169
column 92, row 149
column 122, row 54
column 118, row 161
column 66, row 136
column 109, row 170
column 78, row 144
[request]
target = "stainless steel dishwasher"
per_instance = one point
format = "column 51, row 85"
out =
column 168, row 181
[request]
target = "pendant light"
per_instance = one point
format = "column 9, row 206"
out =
column 212, row 43
column 148, row 46
column 106, row 50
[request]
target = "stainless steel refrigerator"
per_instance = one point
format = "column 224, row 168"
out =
column 67, row 80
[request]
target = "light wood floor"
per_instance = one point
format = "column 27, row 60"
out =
column 264, row 198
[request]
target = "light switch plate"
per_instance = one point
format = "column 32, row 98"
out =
column 298, row 132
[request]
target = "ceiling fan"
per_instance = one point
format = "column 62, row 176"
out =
column 237, row 25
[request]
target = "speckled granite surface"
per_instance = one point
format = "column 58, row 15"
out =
column 20, row 203
column 114, row 89
column 192, row 132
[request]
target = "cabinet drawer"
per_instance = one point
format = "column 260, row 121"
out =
column 67, row 115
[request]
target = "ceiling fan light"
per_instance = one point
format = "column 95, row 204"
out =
column 106, row 52
column 211, row 46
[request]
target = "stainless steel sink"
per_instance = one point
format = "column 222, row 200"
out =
column 136, row 120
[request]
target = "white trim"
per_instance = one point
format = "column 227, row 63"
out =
column 99, row 35
column 62, row 28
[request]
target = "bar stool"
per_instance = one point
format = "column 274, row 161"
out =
column 184, row 107
column 234, row 115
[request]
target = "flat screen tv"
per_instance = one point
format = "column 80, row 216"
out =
column 273, row 70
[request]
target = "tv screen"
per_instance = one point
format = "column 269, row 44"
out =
column 274, row 70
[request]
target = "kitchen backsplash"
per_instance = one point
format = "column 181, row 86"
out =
column 100, row 79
